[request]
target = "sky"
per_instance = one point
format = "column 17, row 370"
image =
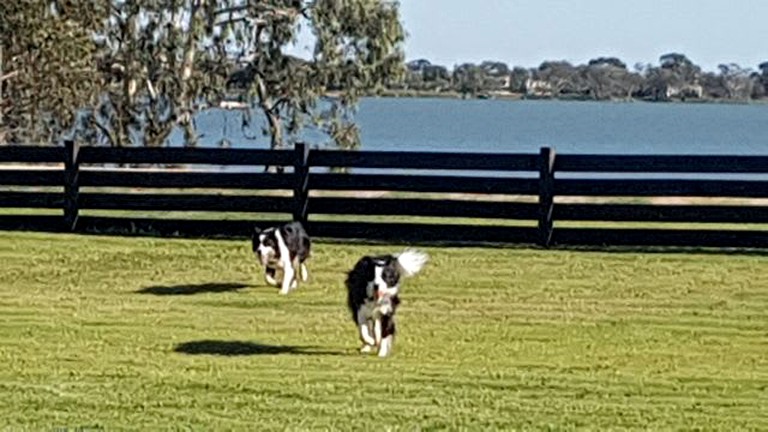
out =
column 527, row 32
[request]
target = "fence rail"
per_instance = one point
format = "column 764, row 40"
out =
column 76, row 172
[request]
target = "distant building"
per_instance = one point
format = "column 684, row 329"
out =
column 538, row 88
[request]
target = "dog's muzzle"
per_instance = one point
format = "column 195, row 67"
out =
column 265, row 258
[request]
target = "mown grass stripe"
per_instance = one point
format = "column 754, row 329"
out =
column 499, row 339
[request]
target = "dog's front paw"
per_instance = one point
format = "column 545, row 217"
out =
column 269, row 276
column 386, row 347
column 367, row 349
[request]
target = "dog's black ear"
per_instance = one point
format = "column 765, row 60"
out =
column 256, row 232
column 363, row 269
column 368, row 267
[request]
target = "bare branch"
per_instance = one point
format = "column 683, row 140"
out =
column 278, row 103
column 104, row 131
column 9, row 75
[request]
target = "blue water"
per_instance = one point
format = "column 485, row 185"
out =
column 453, row 125
column 524, row 126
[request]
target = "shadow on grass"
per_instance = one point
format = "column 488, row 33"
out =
column 192, row 289
column 627, row 240
column 241, row 348
column 633, row 249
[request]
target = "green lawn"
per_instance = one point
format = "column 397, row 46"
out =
column 153, row 334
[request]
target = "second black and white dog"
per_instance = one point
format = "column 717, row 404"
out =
column 285, row 248
column 373, row 288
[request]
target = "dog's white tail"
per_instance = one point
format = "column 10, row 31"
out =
column 411, row 261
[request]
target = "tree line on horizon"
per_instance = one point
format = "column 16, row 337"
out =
column 676, row 77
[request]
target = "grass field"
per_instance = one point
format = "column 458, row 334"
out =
column 152, row 334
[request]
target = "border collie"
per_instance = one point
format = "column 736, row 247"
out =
column 285, row 247
column 373, row 288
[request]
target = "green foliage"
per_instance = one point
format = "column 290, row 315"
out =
column 357, row 49
column 602, row 78
column 469, row 78
column 152, row 334
column 47, row 67
column 160, row 67
column 140, row 68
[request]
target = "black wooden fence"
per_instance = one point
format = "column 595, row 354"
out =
column 74, row 170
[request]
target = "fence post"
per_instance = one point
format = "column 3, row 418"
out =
column 546, row 194
column 301, row 188
column 71, row 185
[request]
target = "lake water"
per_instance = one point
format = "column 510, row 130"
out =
column 452, row 125
column 524, row 126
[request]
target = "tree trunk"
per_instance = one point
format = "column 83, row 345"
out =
column 187, row 65
column 190, row 134
column 276, row 135
column 273, row 118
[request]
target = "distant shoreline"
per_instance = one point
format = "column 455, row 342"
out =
column 522, row 97
column 509, row 96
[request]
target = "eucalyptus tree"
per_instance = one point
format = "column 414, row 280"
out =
column 561, row 76
column 355, row 48
column 470, row 79
column 518, row 79
column 48, row 67
column 737, row 81
column 161, row 63
column 609, row 78
column 137, row 69
column 761, row 81
column 680, row 69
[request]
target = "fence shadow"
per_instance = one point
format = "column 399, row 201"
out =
column 700, row 250
column 192, row 289
column 243, row 348
column 711, row 242
column 683, row 250
column 741, row 242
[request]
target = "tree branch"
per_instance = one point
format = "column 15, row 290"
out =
column 263, row 11
column 9, row 75
column 104, row 131
column 280, row 101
